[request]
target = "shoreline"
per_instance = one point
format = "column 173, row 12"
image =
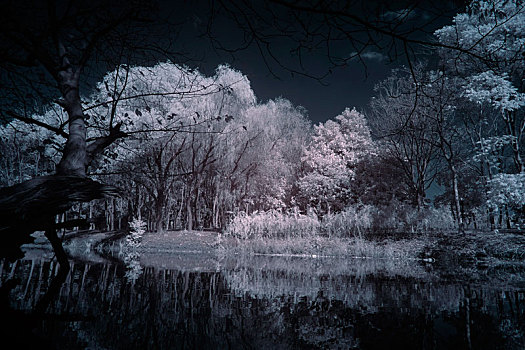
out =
column 474, row 257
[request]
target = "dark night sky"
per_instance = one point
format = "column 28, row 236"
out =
column 345, row 87
column 348, row 86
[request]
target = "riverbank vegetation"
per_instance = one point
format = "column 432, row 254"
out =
column 439, row 147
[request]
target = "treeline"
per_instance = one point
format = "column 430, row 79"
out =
column 199, row 150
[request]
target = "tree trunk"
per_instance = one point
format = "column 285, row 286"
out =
column 91, row 223
column 215, row 211
column 510, row 118
column 167, row 223
column 509, row 226
column 490, row 212
column 112, row 214
column 106, row 214
column 457, row 202
column 189, row 215
column 74, row 159
column 159, row 211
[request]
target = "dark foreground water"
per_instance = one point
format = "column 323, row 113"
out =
column 261, row 303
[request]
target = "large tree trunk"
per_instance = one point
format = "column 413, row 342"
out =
column 32, row 205
column 74, row 160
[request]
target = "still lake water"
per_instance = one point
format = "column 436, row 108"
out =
column 257, row 302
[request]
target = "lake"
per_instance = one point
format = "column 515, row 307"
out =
column 261, row 302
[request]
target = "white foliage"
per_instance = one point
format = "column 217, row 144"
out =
column 273, row 223
column 153, row 103
column 138, row 228
column 262, row 150
column 130, row 256
column 494, row 89
column 166, row 95
column 490, row 37
column 507, row 189
column 335, row 150
column 491, row 29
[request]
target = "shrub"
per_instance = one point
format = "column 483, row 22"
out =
column 437, row 219
column 273, row 224
column 352, row 221
column 130, row 256
column 399, row 217
column 138, row 228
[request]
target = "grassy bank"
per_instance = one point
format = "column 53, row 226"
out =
column 321, row 246
column 354, row 233
column 475, row 255
column 350, row 233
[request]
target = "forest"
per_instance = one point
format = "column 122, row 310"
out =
column 195, row 151
column 439, row 145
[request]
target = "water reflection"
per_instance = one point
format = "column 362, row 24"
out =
column 263, row 303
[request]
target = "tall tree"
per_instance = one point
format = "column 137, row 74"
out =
column 399, row 118
column 331, row 158
column 495, row 32
column 493, row 80
column 47, row 52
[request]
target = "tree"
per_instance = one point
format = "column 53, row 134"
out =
column 400, row 119
column 508, row 191
column 277, row 131
column 505, row 98
column 330, row 160
column 377, row 180
column 494, row 31
column 176, row 118
column 492, row 80
column 440, row 102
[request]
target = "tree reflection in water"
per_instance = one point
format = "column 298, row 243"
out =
column 265, row 306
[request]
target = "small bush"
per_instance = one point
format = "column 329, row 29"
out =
column 129, row 254
column 138, row 228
